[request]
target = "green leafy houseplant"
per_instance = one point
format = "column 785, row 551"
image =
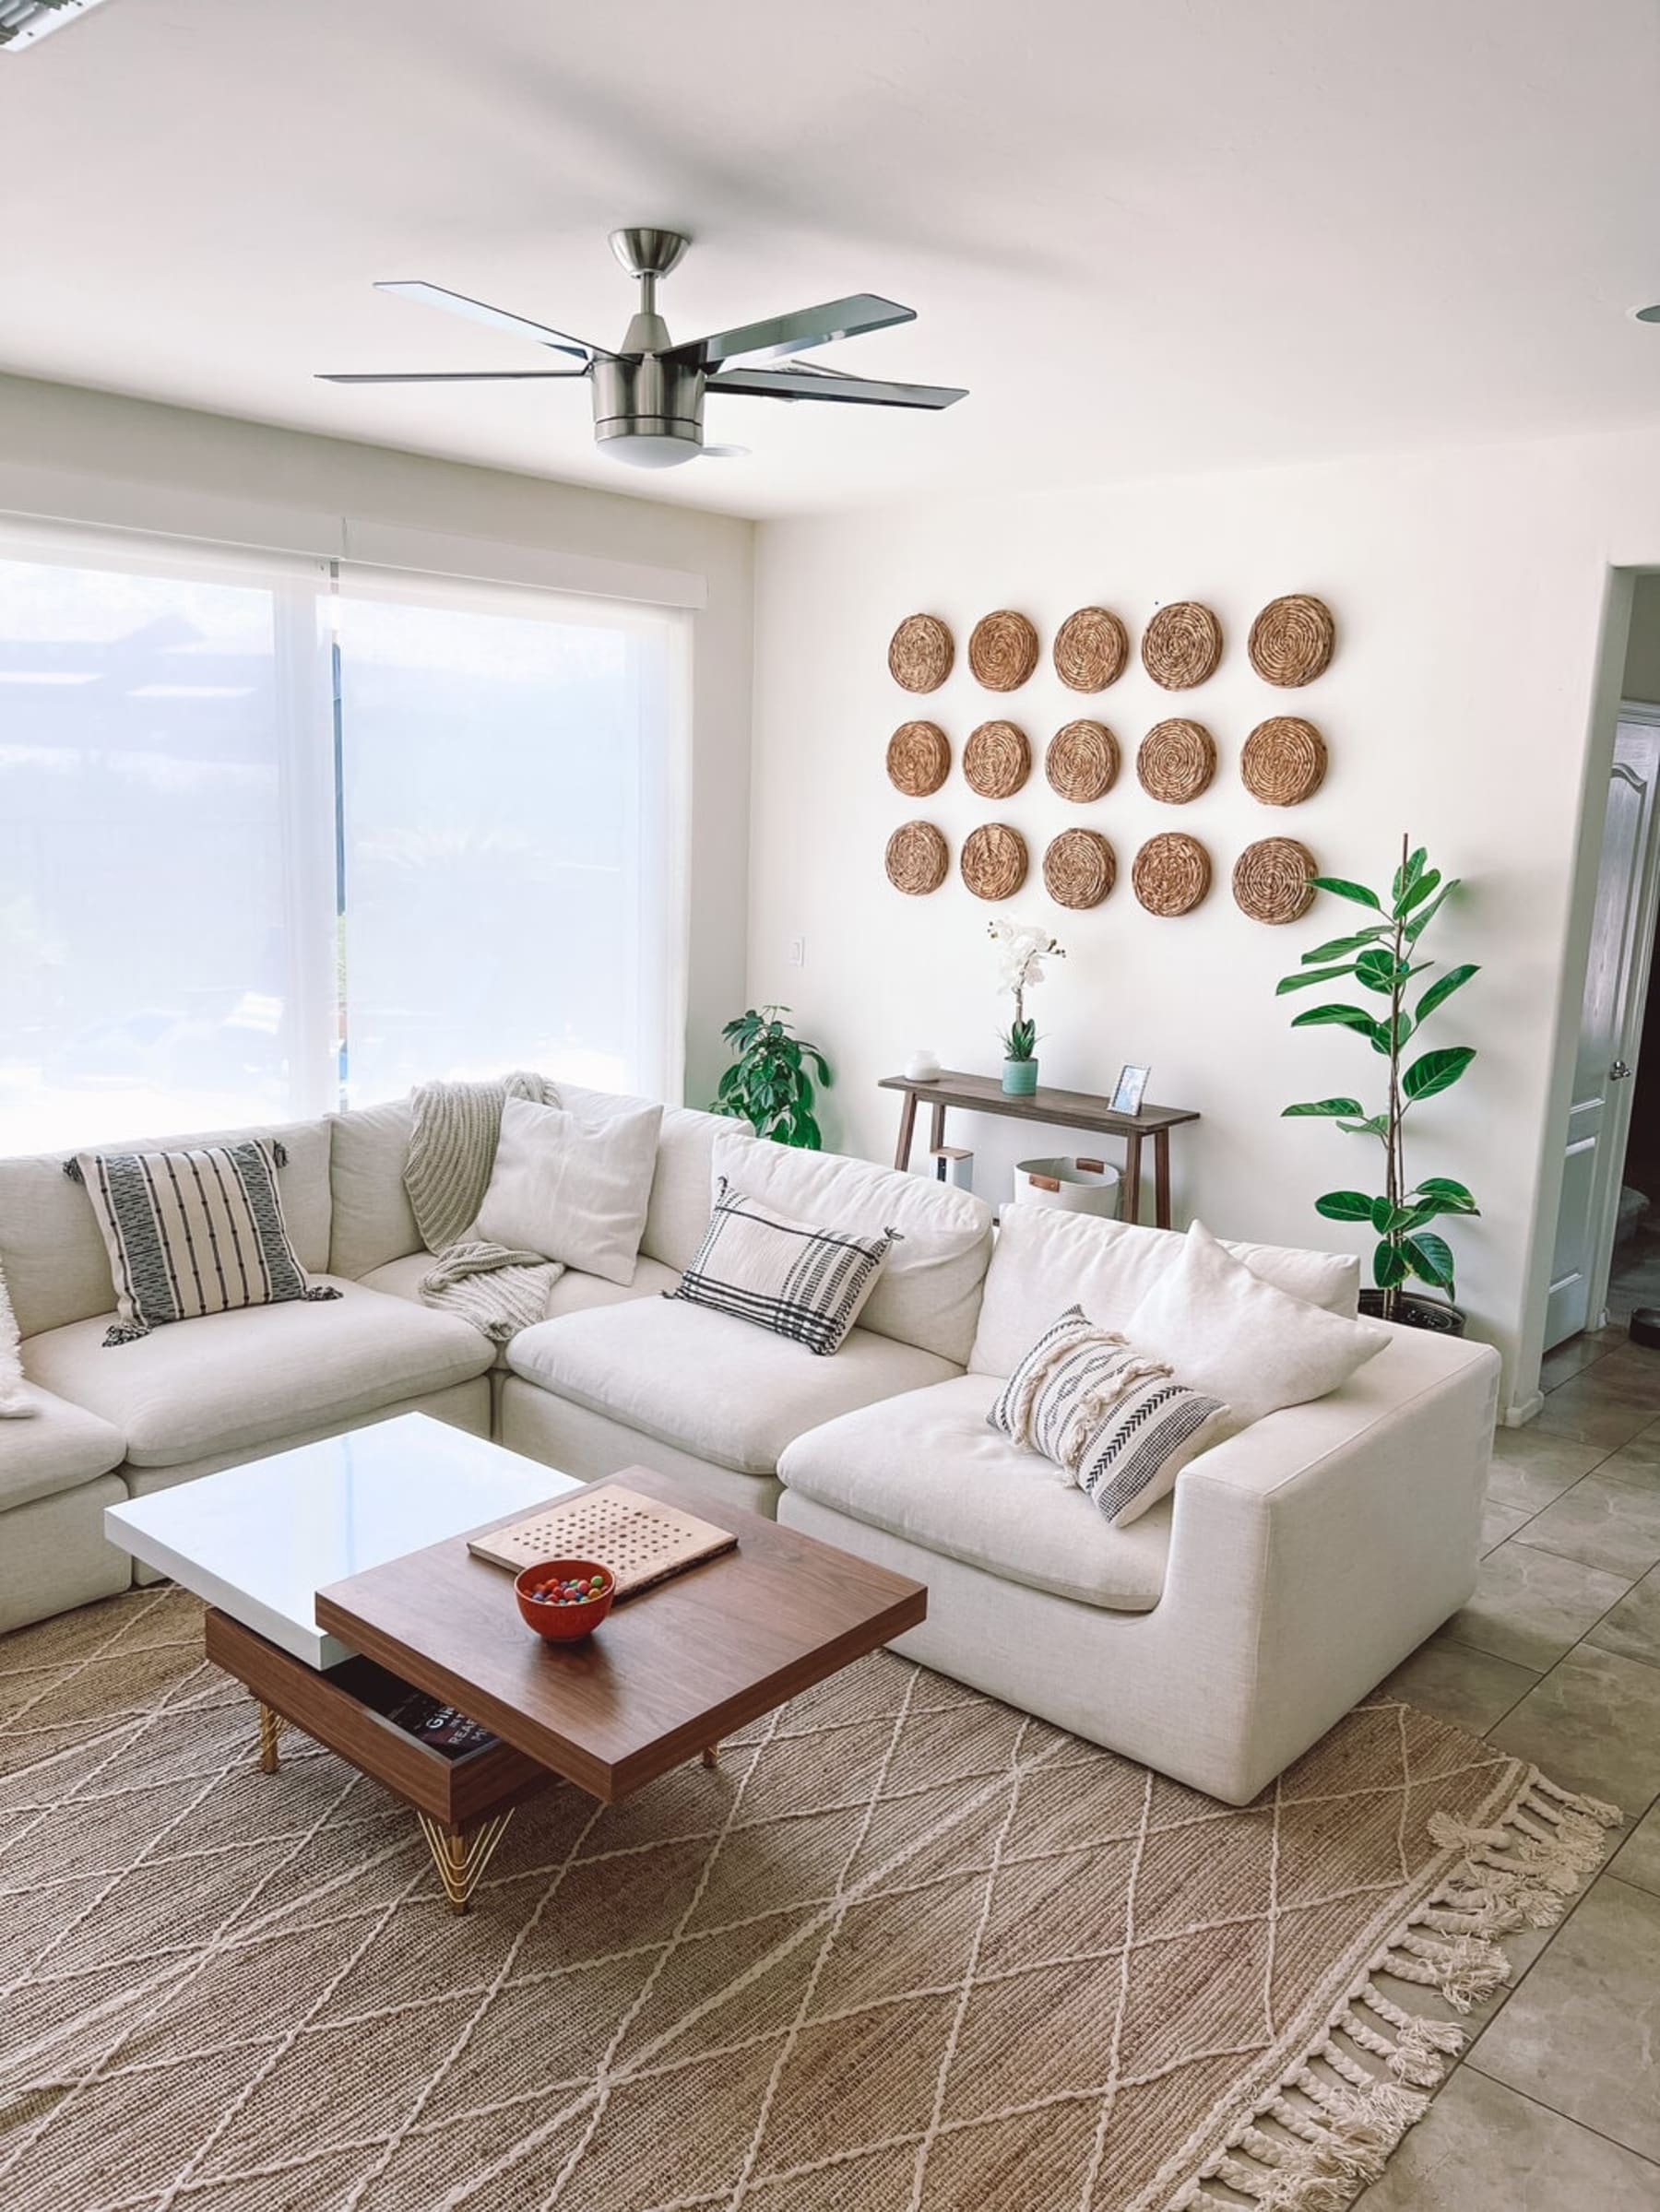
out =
column 1380, row 957
column 769, row 1084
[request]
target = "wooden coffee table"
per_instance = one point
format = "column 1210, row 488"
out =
column 667, row 1676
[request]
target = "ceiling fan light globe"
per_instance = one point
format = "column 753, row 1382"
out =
column 649, row 449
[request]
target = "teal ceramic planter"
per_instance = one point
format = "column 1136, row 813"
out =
column 1020, row 1078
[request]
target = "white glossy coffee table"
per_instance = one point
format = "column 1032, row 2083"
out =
column 259, row 1541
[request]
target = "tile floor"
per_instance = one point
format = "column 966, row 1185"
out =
column 1555, row 2103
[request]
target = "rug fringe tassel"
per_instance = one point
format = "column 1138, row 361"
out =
column 1341, row 2123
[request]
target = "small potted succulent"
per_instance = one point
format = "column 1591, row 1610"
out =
column 1022, row 948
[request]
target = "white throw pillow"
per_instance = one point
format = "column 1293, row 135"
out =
column 1227, row 1331
column 1117, row 1423
column 15, row 1401
column 572, row 1191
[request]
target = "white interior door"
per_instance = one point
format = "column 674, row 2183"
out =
column 1610, row 1021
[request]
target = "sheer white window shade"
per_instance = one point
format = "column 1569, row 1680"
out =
column 165, row 872
column 512, row 815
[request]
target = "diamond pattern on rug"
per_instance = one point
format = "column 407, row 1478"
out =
column 904, row 1950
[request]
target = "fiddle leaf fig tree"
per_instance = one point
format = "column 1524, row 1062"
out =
column 1382, row 958
column 769, row 1084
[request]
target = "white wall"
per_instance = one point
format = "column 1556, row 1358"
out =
column 1642, row 650
column 135, row 465
column 1469, row 589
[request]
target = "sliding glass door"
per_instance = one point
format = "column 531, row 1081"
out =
column 277, row 837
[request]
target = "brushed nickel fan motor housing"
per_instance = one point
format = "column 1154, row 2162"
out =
column 648, row 399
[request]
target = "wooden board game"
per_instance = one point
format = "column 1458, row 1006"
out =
column 639, row 1541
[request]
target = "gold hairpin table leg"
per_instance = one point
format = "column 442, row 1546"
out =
column 462, row 1854
column 271, row 1725
column 711, row 1757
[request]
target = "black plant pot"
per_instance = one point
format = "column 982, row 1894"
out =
column 1416, row 1313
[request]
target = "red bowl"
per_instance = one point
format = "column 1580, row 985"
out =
column 562, row 1624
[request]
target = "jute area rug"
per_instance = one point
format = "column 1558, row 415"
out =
column 905, row 1950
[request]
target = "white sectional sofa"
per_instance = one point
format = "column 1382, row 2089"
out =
column 1216, row 1638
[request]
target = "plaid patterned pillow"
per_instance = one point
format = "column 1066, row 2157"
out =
column 193, row 1232
column 1116, row 1422
column 799, row 1281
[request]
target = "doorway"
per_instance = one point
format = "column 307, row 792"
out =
column 1607, row 1257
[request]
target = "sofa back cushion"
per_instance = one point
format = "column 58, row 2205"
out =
column 56, row 1265
column 373, row 1221
column 928, row 1291
column 1046, row 1261
column 679, row 1212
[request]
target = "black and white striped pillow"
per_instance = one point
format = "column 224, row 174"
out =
column 800, row 1281
column 1114, row 1420
column 192, row 1232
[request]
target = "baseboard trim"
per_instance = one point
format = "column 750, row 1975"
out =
column 1519, row 1413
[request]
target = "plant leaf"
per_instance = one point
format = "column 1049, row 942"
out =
column 1340, row 947
column 1378, row 969
column 1347, row 1017
column 1442, row 1185
column 1444, row 987
column 1388, row 1266
column 1377, row 1125
column 1433, row 1072
column 1416, row 891
column 1421, row 921
column 1409, row 872
column 1430, row 1258
column 1329, row 1107
column 1345, row 1205
column 1344, row 889
column 1386, row 1218
column 1296, row 982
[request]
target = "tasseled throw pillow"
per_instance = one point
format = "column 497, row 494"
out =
column 789, row 1277
column 15, row 1404
column 1114, row 1420
column 193, row 1232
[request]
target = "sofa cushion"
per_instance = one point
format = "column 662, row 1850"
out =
column 928, row 1291
column 55, row 1263
column 930, row 1468
column 374, row 1220
column 257, row 1373
column 682, row 1185
column 58, row 1448
column 1046, row 1261
column 571, row 1186
column 707, row 1384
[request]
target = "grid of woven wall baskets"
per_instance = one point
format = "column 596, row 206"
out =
column 1282, row 760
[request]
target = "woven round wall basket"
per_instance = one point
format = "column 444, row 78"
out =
column 1291, row 640
column 1082, row 761
column 1091, row 647
column 920, row 653
column 994, row 860
column 1079, row 868
column 1271, row 879
column 1283, row 761
column 1171, row 874
column 1176, row 761
column 997, row 759
column 919, row 758
column 1182, row 646
column 917, row 859
column 1002, row 652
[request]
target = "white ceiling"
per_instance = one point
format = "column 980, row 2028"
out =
column 1150, row 237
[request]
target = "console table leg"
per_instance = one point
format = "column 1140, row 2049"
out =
column 271, row 1725
column 1161, row 1177
column 711, row 1755
column 1132, row 1146
column 936, row 1124
column 907, row 1124
column 462, row 1854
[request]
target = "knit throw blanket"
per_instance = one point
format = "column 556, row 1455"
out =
column 451, row 1151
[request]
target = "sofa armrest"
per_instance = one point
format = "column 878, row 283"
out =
column 1321, row 1545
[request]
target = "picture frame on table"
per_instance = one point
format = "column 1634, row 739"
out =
column 1130, row 1089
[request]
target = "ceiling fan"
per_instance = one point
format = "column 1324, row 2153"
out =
column 648, row 392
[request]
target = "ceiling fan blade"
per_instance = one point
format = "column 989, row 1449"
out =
column 458, row 377
column 788, row 334
column 860, row 391
column 496, row 318
column 725, row 453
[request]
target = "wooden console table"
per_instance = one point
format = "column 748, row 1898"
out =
column 1061, row 1110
